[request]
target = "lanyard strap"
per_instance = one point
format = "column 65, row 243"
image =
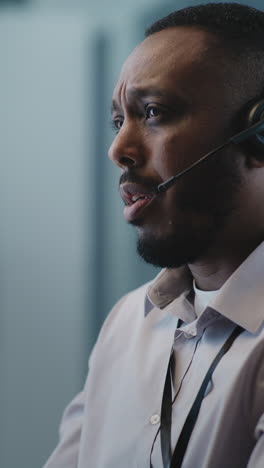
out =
column 175, row 460
column 165, row 418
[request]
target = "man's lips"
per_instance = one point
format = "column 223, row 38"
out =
column 136, row 198
column 131, row 192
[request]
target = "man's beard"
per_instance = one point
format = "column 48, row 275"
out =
column 213, row 199
column 171, row 252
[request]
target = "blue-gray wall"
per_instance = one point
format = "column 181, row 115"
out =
column 66, row 253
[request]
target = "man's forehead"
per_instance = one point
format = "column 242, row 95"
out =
column 165, row 51
column 172, row 41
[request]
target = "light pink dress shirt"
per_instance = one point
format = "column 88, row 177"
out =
column 112, row 423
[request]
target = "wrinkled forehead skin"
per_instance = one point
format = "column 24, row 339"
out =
column 166, row 56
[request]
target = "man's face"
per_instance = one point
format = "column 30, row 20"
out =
column 170, row 107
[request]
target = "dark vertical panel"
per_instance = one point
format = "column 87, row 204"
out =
column 100, row 149
column 95, row 276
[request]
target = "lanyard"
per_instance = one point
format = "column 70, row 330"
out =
column 175, row 459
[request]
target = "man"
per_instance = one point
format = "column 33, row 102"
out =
column 177, row 375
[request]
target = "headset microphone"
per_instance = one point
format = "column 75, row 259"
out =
column 256, row 117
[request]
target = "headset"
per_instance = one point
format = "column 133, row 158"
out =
column 253, row 134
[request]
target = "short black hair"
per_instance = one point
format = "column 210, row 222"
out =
column 227, row 20
column 237, row 30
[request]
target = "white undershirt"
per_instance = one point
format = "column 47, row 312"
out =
column 202, row 299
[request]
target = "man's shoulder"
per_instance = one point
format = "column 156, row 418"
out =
column 135, row 298
column 126, row 315
column 140, row 291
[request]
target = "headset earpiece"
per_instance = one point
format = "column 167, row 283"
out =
column 255, row 115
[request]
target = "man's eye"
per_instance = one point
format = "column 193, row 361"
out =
column 152, row 111
column 117, row 123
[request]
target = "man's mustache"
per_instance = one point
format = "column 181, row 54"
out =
column 131, row 177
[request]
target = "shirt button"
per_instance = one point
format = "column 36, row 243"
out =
column 155, row 419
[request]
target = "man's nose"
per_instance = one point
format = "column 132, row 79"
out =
column 127, row 150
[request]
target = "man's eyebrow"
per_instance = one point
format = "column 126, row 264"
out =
column 114, row 107
column 150, row 91
column 138, row 93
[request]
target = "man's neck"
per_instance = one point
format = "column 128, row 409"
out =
column 211, row 272
column 210, row 277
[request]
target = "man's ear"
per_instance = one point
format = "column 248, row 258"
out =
column 253, row 146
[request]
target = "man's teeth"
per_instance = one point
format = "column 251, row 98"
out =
column 135, row 198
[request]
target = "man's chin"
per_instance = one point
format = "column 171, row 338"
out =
column 165, row 253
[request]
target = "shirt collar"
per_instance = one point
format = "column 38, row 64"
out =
column 240, row 299
column 168, row 285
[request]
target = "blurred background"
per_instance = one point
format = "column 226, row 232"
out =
column 66, row 253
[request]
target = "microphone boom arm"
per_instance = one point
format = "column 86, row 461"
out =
column 171, row 181
column 257, row 128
